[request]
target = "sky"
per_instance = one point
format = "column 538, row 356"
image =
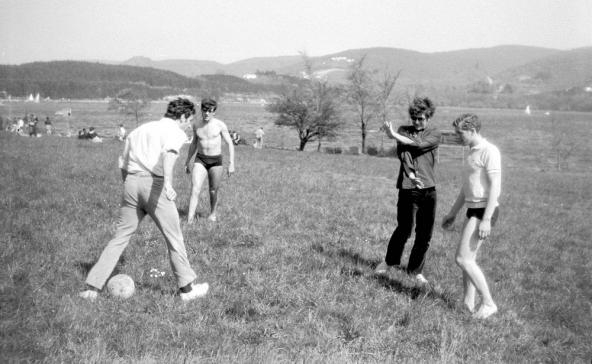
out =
column 226, row 31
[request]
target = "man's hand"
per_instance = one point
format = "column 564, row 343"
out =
column 169, row 192
column 230, row 169
column 387, row 127
column 417, row 183
column 484, row 228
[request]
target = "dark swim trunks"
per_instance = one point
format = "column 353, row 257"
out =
column 208, row 161
column 478, row 213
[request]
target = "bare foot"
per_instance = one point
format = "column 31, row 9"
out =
column 470, row 306
column 485, row 311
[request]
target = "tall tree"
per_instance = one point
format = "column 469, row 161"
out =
column 361, row 95
column 309, row 107
column 385, row 85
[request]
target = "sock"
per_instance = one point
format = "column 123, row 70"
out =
column 185, row 289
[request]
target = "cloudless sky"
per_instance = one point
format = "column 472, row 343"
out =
column 230, row 30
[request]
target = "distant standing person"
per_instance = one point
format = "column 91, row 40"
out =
column 207, row 142
column 33, row 125
column 121, row 133
column 48, row 126
column 479, row 192
column 259, row 138
column 417, row 148
column 147, row 165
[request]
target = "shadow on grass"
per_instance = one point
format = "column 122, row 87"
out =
column 413, row 291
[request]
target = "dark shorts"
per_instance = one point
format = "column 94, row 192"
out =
column 208, row 161
column 478, row 213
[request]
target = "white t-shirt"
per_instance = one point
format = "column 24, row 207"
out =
column 145, row 146
column 483, row 160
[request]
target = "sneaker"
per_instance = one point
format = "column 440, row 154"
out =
column 89, row 295
column 382, row 268
column 212, row 218
column 197, row 290
column 421, row 279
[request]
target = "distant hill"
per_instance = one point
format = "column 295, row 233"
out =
column 443, row 68
column 558, row 71
column 187, row 68
column 503, row 76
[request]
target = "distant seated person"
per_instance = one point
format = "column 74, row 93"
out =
column 93, row 136
column 236, row 139
column 121, row 133
column 82, row 134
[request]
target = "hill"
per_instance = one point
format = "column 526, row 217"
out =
column 444, row 68
column 558, row 71
column 188, row 68
column 74, row 79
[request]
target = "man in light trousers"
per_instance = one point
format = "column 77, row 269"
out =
column 147, row 166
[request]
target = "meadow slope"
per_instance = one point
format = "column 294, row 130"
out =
column 290, row 262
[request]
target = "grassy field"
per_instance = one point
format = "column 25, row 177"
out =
column 290, row 262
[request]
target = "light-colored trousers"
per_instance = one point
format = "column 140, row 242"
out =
column 143, row 194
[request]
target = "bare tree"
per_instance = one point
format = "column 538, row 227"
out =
column 385, row 86
column 361, row 95
column 310, row 108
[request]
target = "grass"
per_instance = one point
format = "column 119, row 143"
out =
column 290, row 261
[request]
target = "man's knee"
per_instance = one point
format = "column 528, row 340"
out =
column 463, row 261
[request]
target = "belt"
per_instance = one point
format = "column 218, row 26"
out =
column 144, row 174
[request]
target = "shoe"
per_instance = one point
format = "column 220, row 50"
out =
column 89, row 295
column 421, row 279
column 212, row 218
column 197, row 290
column 382, row 268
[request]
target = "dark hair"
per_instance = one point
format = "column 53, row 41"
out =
column 467, row 121
column 209, row 104
column 180, row 107
column 421, row 106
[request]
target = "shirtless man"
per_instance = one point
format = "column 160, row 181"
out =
column 207, row 141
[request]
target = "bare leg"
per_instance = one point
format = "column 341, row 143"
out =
column 198, row 176
column 466, row 259
column 468, row 293
column 215, row 177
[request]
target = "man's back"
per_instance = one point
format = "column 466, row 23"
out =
column 145, row 145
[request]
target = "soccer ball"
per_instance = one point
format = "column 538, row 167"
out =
column 121, row 285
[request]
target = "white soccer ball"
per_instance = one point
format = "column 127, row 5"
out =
column 121, row 285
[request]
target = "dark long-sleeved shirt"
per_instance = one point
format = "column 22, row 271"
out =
column 419, row 157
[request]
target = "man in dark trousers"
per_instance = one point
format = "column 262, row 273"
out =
column 417, row 149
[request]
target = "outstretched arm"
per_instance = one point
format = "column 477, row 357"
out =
column 388, row 128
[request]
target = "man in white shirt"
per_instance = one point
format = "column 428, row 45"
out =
column 480, row 192
column 146, row 167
